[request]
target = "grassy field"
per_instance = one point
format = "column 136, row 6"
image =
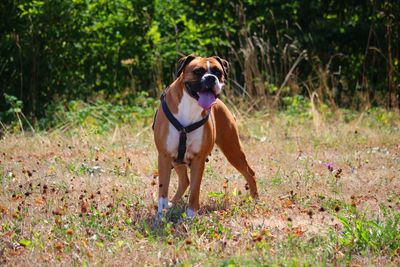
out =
column 329, row 195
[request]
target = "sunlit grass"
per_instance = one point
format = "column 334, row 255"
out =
column 325, row 198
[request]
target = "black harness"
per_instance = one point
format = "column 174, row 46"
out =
column 183, row 131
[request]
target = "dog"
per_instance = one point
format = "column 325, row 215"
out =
column 189, row 121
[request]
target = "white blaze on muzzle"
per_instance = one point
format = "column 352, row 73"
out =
column 218, row 85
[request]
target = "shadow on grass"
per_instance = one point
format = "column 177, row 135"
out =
column 173, row 222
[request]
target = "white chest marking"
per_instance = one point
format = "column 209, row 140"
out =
column 188, row 112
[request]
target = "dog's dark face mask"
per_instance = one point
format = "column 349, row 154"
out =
column 203, row 78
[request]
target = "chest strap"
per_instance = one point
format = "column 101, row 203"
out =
column 180, row 128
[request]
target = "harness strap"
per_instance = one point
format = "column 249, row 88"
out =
column 183, row 131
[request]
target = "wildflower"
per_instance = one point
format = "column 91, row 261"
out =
column 329, row 165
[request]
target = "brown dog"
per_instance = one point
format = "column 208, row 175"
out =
column 188, row 123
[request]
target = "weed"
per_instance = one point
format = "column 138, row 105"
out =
column 361, row 234
column 100, row 116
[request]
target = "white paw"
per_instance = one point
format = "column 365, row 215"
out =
column 190, row 213
column 162, row 204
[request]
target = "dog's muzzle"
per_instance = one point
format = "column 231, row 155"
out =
column 207, row 83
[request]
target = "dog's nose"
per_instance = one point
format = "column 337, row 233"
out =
column 209, row 81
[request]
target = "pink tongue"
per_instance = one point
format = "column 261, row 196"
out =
column 206, row 99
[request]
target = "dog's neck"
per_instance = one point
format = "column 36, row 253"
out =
column 184, row 107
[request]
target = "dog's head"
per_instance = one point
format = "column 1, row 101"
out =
column 203, row 77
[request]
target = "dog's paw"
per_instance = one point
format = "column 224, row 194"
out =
column 163, row 204
column 190, row 213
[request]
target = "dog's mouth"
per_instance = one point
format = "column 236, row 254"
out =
column 206, row 99
column 205, row 96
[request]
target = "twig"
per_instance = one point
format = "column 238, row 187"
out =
column 298, row 60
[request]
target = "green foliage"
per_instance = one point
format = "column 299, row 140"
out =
column 26, row 243
column 381, row 117
column 100, row 116
column 13, row 112
column 15, row 105
column 71, row 48
column 348, row 115
column 361, row 234
column 297, row 106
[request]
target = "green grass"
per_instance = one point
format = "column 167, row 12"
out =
column 85, row 197
column 361, row 235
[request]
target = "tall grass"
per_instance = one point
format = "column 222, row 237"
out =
column 272, row 66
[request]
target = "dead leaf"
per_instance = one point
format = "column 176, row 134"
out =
column 267, row 233
column 288, row 204
column 58, row 211
column 155, row 174
column 15, row 197
column 225, row 185
column 256, row 237
column 298, row 231
column 4, row 210
column 58, row 221
column 83, row 207
column 84, row 243
column 40, row 201
column 17, row 251
column 59, row 246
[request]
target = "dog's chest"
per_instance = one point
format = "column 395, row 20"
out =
column 188, row 112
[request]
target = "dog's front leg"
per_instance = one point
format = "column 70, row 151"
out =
column 164, row 174
column 196, row 174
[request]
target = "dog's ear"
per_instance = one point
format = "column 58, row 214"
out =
column 224, row 64
column 182, row 62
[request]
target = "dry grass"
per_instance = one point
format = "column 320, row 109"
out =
column 80, row 198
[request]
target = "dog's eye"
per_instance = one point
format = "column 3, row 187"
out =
column 217, row 73
column 199, row 71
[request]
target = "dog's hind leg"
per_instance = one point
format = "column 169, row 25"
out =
column 183, row 182
column 228, row 141
column 235, row 155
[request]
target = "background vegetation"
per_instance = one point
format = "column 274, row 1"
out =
column 55, row 52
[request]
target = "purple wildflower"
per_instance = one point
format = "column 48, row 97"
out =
column 329, row 165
